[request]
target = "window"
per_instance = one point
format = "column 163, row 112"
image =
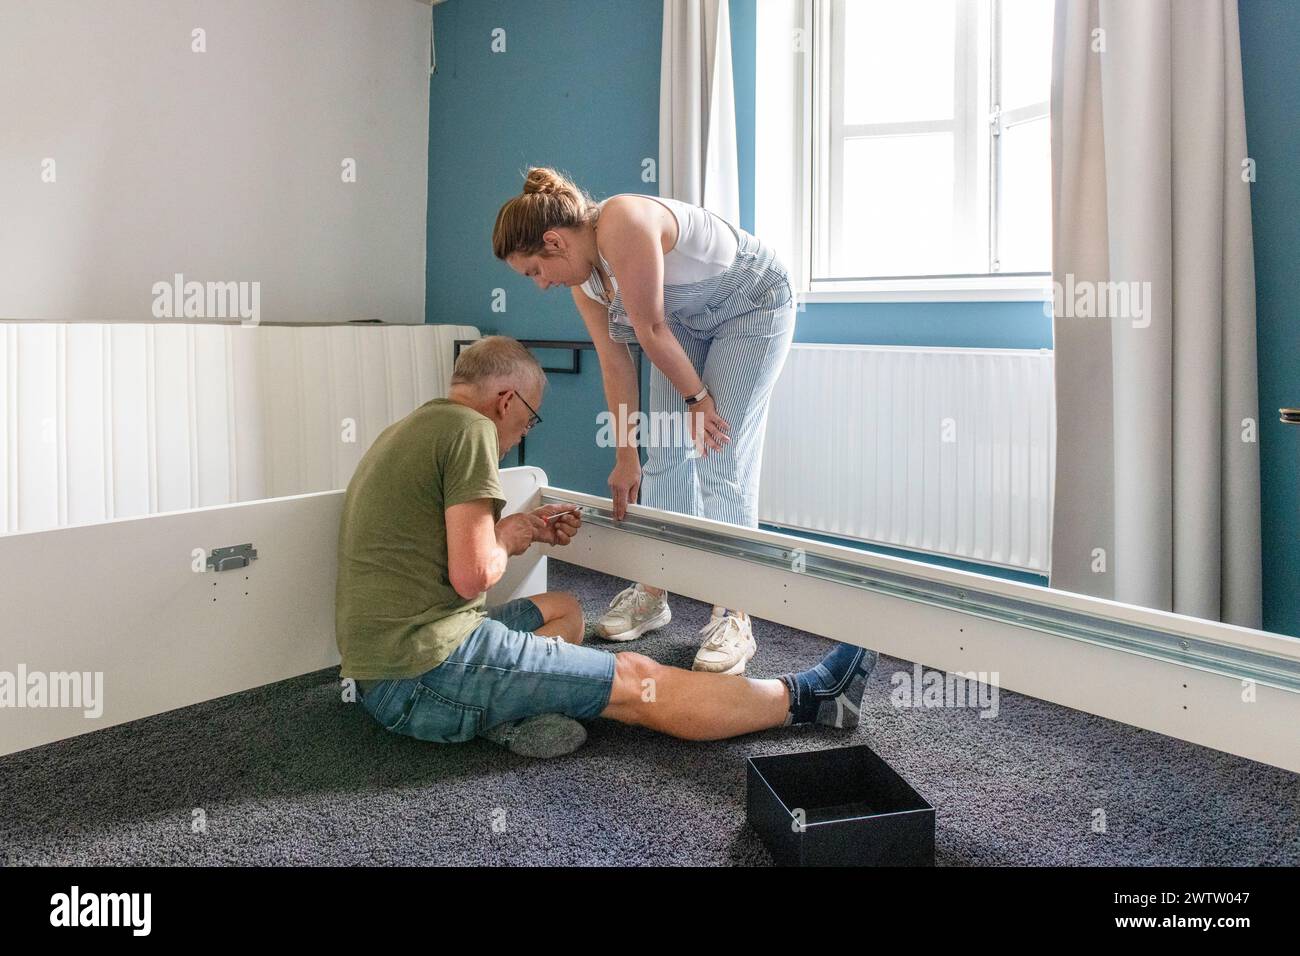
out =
column 922, row 145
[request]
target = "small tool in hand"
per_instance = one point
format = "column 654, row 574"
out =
column 558, row 514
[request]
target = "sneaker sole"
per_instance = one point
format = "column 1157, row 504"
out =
column 656, row 622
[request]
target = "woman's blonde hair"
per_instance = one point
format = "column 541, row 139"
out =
column 549, row 201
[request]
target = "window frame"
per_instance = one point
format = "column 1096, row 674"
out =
column 1000, row 120
column 817, row 99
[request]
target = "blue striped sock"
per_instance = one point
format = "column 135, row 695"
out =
column 831, row 693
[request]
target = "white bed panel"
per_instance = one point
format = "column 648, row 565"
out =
column 1184, row 701
column 120, row 598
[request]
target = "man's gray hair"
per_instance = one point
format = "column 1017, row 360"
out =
column 498, row 358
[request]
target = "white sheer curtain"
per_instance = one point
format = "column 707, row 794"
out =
column 697, row 108
column 1157, row 480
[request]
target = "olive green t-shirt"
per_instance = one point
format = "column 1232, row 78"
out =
column 396, row 613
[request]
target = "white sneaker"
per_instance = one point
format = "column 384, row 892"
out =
column 728, row 646
column 633, row 612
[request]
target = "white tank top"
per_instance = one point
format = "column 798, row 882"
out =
column 705, row 247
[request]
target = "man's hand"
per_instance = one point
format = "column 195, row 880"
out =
column 516, row 532
column 559, row 530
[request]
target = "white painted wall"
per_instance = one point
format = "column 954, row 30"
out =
column 223, row 165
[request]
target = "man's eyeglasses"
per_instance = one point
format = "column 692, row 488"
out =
column 534, row 418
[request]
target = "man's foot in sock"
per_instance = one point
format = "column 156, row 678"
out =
column 545, row 735
column 831, row 693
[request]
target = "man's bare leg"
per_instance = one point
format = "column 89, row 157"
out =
column 561, row 616
column 695, row 705
column 690, row 704
column 685, row 703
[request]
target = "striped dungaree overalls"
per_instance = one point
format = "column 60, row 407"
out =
column 736, row 329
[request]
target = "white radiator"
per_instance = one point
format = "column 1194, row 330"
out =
column 947, row 451
column 104, row 421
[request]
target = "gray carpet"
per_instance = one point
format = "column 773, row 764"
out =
column 289, row 774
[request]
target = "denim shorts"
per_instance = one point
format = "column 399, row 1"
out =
column 500, row 672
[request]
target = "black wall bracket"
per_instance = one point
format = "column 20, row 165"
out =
column 232, row 558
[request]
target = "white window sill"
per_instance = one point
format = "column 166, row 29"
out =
column 939, row 289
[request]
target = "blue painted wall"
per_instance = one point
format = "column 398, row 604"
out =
column 1270, row 54
column 578, row 87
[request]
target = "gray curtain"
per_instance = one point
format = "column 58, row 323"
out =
column 1157, row 466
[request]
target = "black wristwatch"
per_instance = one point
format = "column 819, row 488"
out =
column 698, row 397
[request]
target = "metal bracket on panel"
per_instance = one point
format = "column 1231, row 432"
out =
column 232, row 558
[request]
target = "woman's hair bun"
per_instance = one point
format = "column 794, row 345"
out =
column 542, row 179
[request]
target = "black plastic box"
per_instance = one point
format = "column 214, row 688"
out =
column 839, row 807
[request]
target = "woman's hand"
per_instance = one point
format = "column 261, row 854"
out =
column 708, row 428
column 624, row 484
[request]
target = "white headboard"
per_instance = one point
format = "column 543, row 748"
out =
column 104, row 421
